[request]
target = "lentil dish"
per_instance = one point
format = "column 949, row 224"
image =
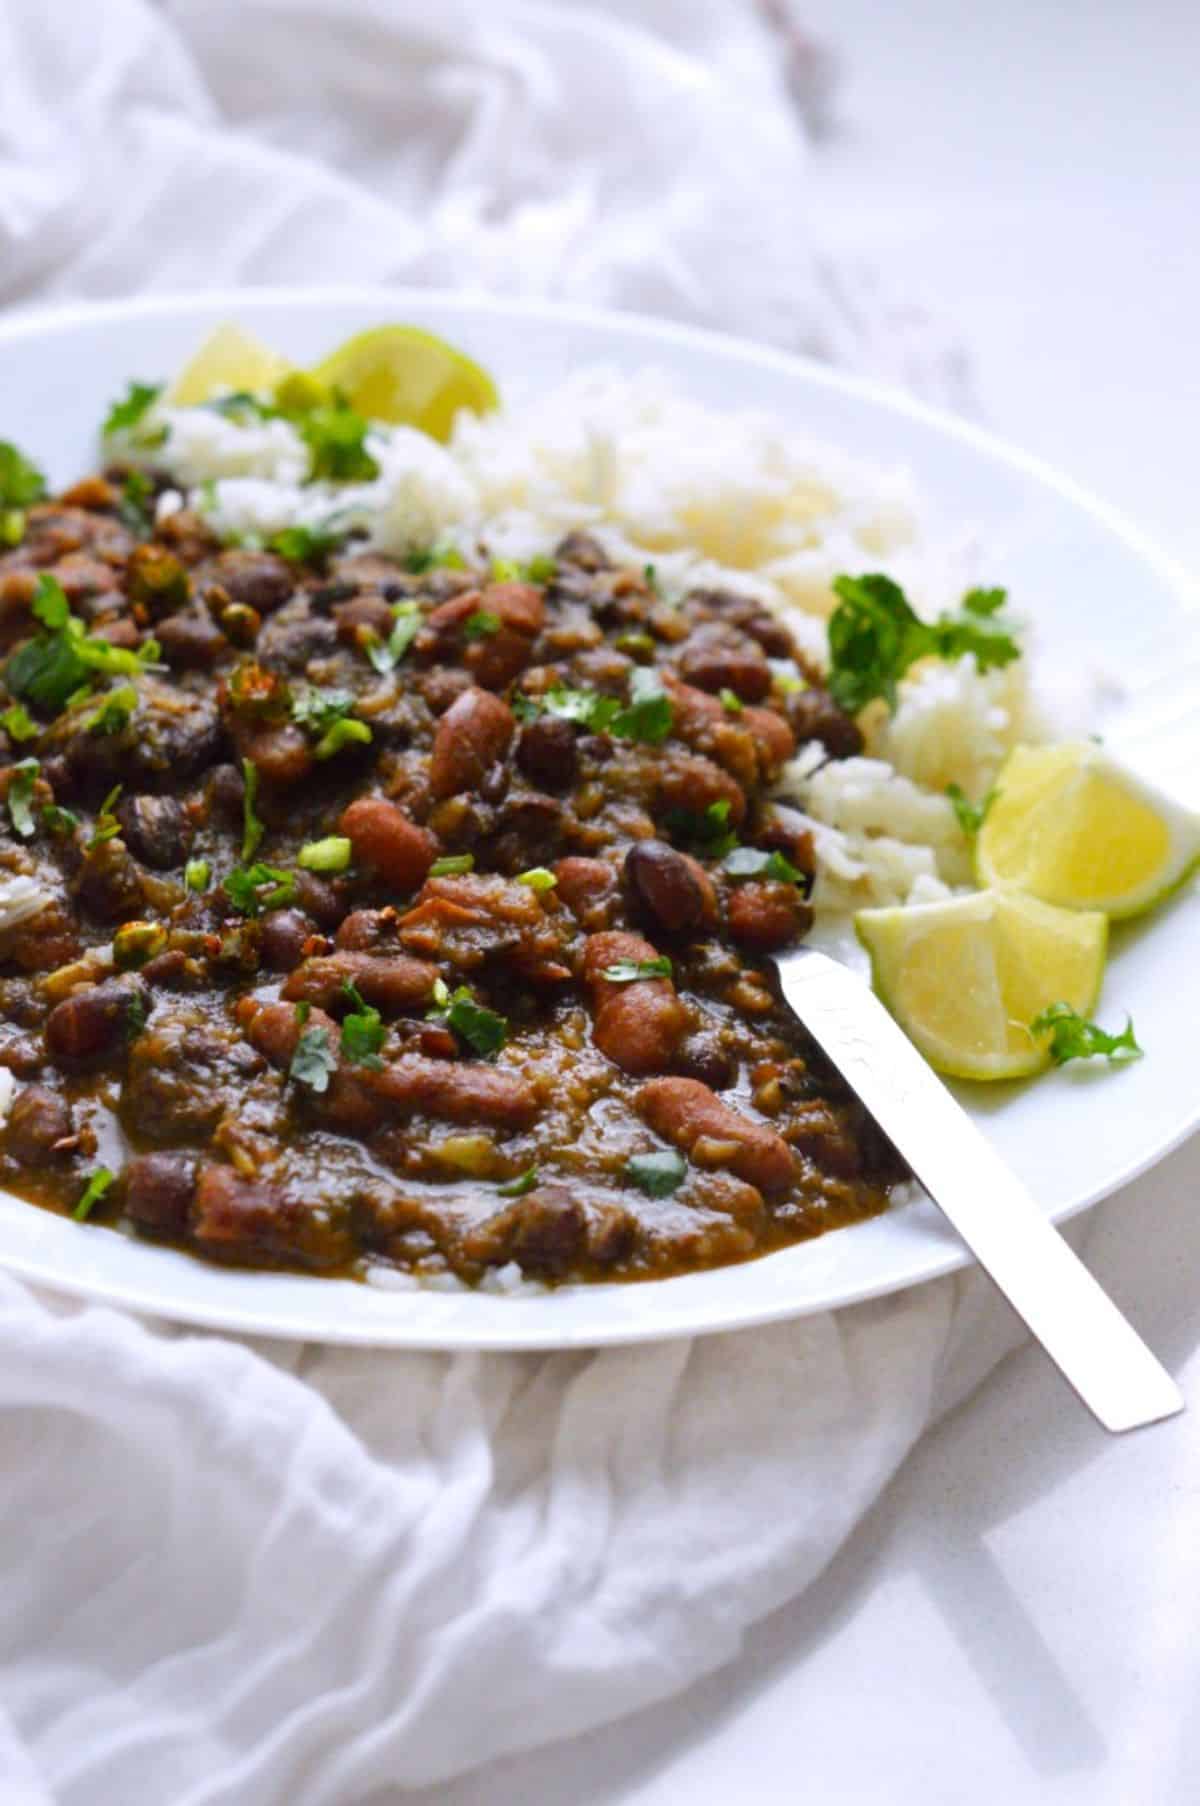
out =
column 407, row 912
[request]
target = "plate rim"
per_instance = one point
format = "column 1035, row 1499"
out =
column 38, row 321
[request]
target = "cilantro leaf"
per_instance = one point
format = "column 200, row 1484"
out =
column 731, row 702
column 253, row 828
column 56, row 820
column 50, row 604
column 127, row 413
column 314, row 1060
column 657, row 1174
column 248, row 892
column 708, row 832
column 305, row 545
column 93, row 1191
column 336, row 439
column 115, row 712
column 481, row 625
column 971, row 816
column 328, row 715
column 1073, row 1037
column 135, row 507
column 362, row 1031
column 482, row 1029
column 386, row 654
column 625, row 971
column 649, row 716
column 18, row 724
column 875, row 635
column 20, row 795
column 21, row 482
column 752, row 862
column 447, row 558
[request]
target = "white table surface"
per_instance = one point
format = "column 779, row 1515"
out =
column 1018, row 1620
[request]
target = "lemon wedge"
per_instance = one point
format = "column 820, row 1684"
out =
column 229, row 358
column 965, row 978
column 1070, row 826
column 407, row 377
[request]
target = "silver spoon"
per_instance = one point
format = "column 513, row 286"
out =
column 1073, row 1318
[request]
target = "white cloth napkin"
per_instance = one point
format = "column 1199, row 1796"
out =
column 269, row 1573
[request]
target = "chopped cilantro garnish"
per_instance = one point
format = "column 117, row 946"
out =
column 253, row 828
column 242, row 407
column 752, row 862
column 649, row 716
column 482, row 1029
column 505, row 570
column 446, row 558
column 314, row 1060
column 541, row 569
column 317, row 710
column 875, row 635
column 127, row 413
column 329, row 855
column 20, row 796
column 50, row 603
column 657, row 1174
column 625, row 971
column 1073, row 1037
column 708, row 831
column 136, row 504
column 538, row 878
column 93, row 1191
column 56, row 820
column 650, row 573
column 362, row 1031
column 18, row 724
column 731, row 702
column 107, row 826
column 305, row 545
column 452, row 865
column 49, row 669
column 196, row 874
column 971, row 816
column 385, row 654
column 517, row 1188
column 336, row 439
column 257, row 888
column 481, row 625
column 21, row 482
column 115, row 712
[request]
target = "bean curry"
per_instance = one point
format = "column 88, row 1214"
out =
column 406, row 913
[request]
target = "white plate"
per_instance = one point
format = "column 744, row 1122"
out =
column 1084, row 575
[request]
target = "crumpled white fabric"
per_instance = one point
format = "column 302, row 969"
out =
column 236, row 1572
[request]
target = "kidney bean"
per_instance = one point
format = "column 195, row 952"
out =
column 546, row 752
column 672, row 888
column 394, row 983
column 767, row 915
column 281, row 937
column 638, row 1025
column 685, row 1111
column 473, row 733
column 38, row 1119
column 93, row 1021
column 385, row 839
column 814, row 715
column 158, row 1191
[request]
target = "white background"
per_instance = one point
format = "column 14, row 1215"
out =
column 1018, row 1621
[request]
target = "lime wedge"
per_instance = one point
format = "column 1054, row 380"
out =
column 1072, row 827
column 228, row 359
column 965, row 978
column 407, row 377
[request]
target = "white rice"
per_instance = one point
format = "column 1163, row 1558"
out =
column 710, row 498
